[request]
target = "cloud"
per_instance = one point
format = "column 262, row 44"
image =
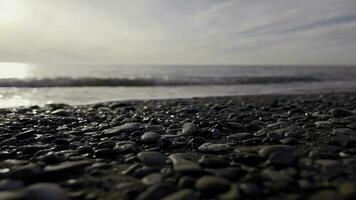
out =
column 182, row 32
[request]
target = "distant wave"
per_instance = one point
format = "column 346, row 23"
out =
column 142, row 82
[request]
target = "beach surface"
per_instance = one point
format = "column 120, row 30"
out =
column 300, row 146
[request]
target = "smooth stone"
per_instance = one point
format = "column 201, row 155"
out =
column 67, row 167
column 156, row 192
column 186, row 182
column 251, row 189
column 348, row 189
column 266, row 151
column 341, row 112
column 105, row 153
column 10, row 141
column 281, row 159
column 149, row 137
column 12, row 195
column 323, row 124
column 125, row 128
column 25, row 172
column 61, row 112
column 352, row 126
column 184, row 166
column 341, row 131
column 231, row 173
column 8, row 184
column 152, row 158
column 232, row 194
column 154, row 128
column 239, row 136
column 212, row 185
column 189, row 129
column 152, row 179
column 46, row 191
column 213, row 162
column 126, row 147
column 184, row 194
column 213, row 148
column 326, row 194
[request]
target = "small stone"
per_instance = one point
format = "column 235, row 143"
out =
column 323, row 124
column 186, row 182
column 341, row 131
column 125, row 128
column 189, row 129
column 348, row 189
column 184, row 194
column 251, row 189
column 265, row 152
column 185, row 167
column 231, row 173
column 213, row 148
column 157, row 191
column 212, row 185
column 45, row 191
column 105, row 153
column 26, row 172
column 341, row 112
column 8, row 184
column 326, row 194
column 67, row 167
column 213, row 162
column 152, row 179
column 281, row 159
column 152, row 158
column 149, row 137
column 239, row 136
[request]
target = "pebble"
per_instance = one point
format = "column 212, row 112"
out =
column 212, row 185
column 149, row 137
column 239, row 136
column 213, row 162
column 266, row 151
column 67, row 167
column 156, row 192
column 25, row 172
column 281, row 159
column 152, row 179
column 153, row 159
column 46, row 191
column 189, row 129
column 213, row 148
column 184, row 194
column 125, row 128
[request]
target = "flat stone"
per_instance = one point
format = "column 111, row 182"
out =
column 152, row 179
column 125, row 128
column 281, row 159
column 239, row 136
column 266, row 151
column 149, row 137
column 184, row 194
column 189, row 129
column 186, row 167
column 326, row 194
column 213, row 148
column 26, row 171
column 46, row 191
column 67, row 167
column 105, row 153
column 212, row 185
column 8, row 184
column 152, row 158
column 341, row 112
column 157, row 191
column 213, row 162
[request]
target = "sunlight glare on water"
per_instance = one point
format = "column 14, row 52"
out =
column 14, row 70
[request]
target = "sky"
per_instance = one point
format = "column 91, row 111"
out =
column 242, row 32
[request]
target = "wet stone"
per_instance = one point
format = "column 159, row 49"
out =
column 239, row 136
column 154, row 159
column 157, row 192
column 213, row 162
column 25, row 172
column 149, row 137
column 189, row 129
column 125, row 128
column 184, row 194
column 265, row 152
column 212, row 185
column 213, row 148
column 46, row 191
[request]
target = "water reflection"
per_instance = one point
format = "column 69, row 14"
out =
column 14, row 70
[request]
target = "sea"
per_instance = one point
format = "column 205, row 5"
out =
column 25, row 84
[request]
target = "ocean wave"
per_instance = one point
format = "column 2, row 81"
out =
column 142, row 82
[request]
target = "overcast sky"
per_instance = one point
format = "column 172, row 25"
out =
column 178, row 31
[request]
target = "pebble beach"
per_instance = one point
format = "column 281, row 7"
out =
column 226, row 148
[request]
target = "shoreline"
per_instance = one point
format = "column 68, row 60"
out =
column 289, row 146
